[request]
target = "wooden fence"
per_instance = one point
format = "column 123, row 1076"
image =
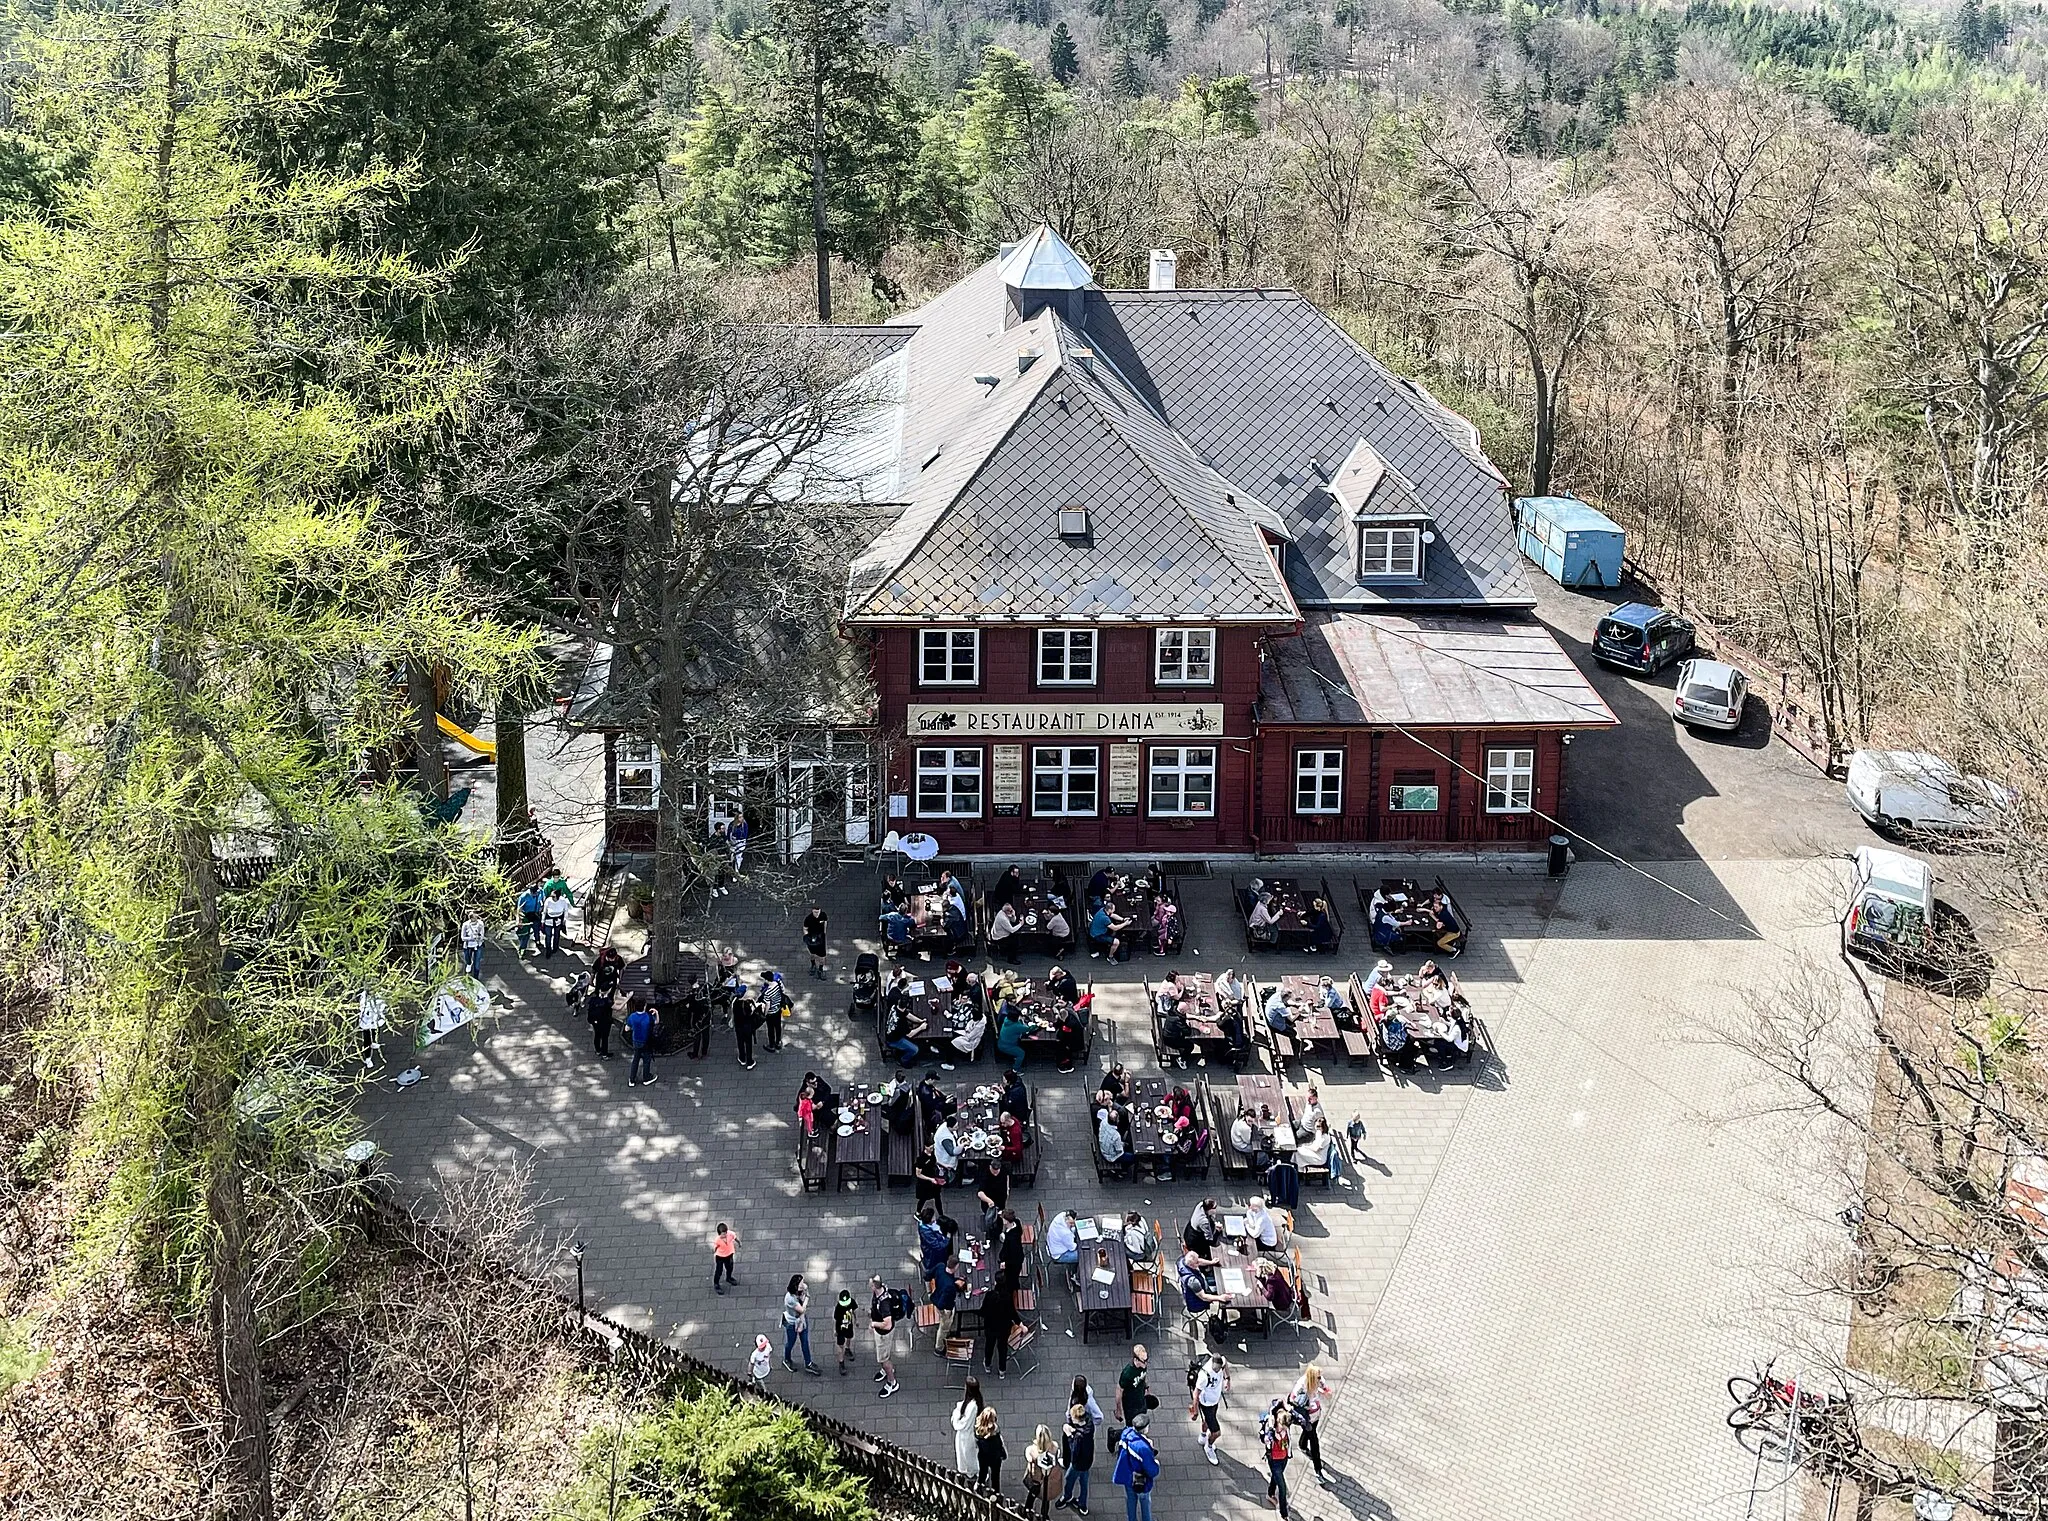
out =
column 901, row 1479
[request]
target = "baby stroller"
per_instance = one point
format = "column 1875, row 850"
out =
column 867, row 986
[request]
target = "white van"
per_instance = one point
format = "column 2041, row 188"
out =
column 1910, row 791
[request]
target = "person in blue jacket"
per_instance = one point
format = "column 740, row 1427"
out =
column 529, row 919
column 1137, row 1470
column 640, row 1029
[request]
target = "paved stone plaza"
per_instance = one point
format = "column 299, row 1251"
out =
column 1529, row 1309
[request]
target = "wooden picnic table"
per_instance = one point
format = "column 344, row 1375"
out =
column 1101, row 1303
column 1036, row 899
column 1254, row 1089
column 1237, row 1281
column 1313, row 1021
column 1151, row 1136
column 857, row 1158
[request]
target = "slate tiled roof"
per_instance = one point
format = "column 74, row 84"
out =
column 1276, row 397
column 1425, row 672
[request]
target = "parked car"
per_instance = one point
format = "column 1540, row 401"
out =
column 1912, row 792
column 1891, row 906
column 1710, row 695
column 1641, row 638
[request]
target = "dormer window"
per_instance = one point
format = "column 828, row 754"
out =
column 1073, row 522
column 1392, row 552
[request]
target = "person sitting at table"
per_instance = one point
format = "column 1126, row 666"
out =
column 904, row 1029
column 1016, row 1097
column 1108, row 1139
column 1278, row 1016
column 1377, row 1002
column 955, row 919
column 1138, row 1242
column 1450, row 934
column 1274, row 1286
column 1181, row 1103
column 1167, row 929
column 1167, row 994
column 1195, row 1294
column 1261, row 1230
column 1331, row 995
column 1190, row 1138
column 1322, row 930
column 946, row 1150
column 1237, row 1036
column 1386, row 930
column 1061, row 1244
column 902, row 1110
column 931, row 1104
column 1002, row 933
column 1008, row 889
column 1250, row 1137
column 1098, row 886
column 1401, row 1048
column 1309, row 1112
column 968, row 1041
column 894, row 894
column 1381, row 971
column 1116, row 1082
column 1321, row 1150
column 1103, row 933
column 1060, row 983
column 1073, row 1037
column 1204, row 1228
column 897, row 928
column 1260, row 926
column 1010, row 1032
column 1059, row 929
column 1454, row 1047
column 934, row 1246
column 1175, row 1034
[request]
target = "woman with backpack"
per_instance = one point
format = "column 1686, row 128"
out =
column 1306, row 1405
column 1041, row 1472
column 1275, row 1438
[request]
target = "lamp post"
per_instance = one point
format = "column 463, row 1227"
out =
column 576, row 1251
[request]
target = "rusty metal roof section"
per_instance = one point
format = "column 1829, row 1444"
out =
column 1426, row 672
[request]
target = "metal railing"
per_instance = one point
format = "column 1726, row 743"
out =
column 913, row 1480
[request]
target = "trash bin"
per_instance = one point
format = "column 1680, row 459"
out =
column 1560, row 854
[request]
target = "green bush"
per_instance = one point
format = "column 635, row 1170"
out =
column 715, row 1457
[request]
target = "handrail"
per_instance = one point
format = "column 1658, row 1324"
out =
column 934, row 1489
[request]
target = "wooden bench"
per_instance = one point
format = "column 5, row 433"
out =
column 1026, row 1170
column 811, row 1162
column 1235, row 1163
column 901, row 1152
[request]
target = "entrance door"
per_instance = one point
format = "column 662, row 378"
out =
column 799, row 812
column 859, row 804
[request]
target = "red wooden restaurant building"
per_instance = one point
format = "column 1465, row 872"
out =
column 1182, row 574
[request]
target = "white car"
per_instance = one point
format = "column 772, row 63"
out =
column 1912, row 792
column 1710, row 695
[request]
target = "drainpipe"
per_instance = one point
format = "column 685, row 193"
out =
column 1251, row 823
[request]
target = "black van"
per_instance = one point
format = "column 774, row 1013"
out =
column 1641, row 638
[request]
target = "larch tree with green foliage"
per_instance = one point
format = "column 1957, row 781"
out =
column 199, row 619
column 1005, row 107
column 1062, row 58
column 1157, row 38
column 1127, row 80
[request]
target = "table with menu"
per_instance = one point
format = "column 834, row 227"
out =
column 1103, row 1268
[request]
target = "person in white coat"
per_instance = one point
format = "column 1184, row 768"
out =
column 966, row 1454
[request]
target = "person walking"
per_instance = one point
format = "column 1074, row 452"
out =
column 724, row 1247
column 1212, row 1382
column 529, row 919
column 1041, row 1472
column 775, row 1006
column 796, row 1325
column 597, row 1008
column 472, row 937
column 883, row 1308
column 554, row 918
column 842, row 1328
column 758, row 1365
column 1134, row 1396
column 606, row 971
column 1077, row 1457
column 989, row 1450
column 1274, row 1435
column 965, row 1414
column 814, row 940
column 746, row 1020
column 640, row 1031
column 1306, row 1406
column 1136, row 1471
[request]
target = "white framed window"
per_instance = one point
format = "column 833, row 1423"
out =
column 1184, row 657
column 949, row 784
column 1066, row 657
column 1063, row 781
column 1389, row 551
column 1319, row 781
column 636, row 785
column 1183, row 781
column 948, row 657
column 1510, row 780
column 1073, row 521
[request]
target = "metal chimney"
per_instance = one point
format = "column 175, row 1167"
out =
column 1163, row 265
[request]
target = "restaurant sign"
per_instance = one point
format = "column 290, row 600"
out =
column 1080, row 720
column 1123, row 778
column 1007, row 778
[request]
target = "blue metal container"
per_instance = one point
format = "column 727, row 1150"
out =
column 1575, row 546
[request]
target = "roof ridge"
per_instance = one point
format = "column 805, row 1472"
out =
column 1061, row 332
column 1031, row 393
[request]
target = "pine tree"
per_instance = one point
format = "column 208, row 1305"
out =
column 1128, row 80
column 1207, row 11
column 1062, row 57
column 1527, row 131
column 1493, row 97
column 1156, row 38
column 1968, row 33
